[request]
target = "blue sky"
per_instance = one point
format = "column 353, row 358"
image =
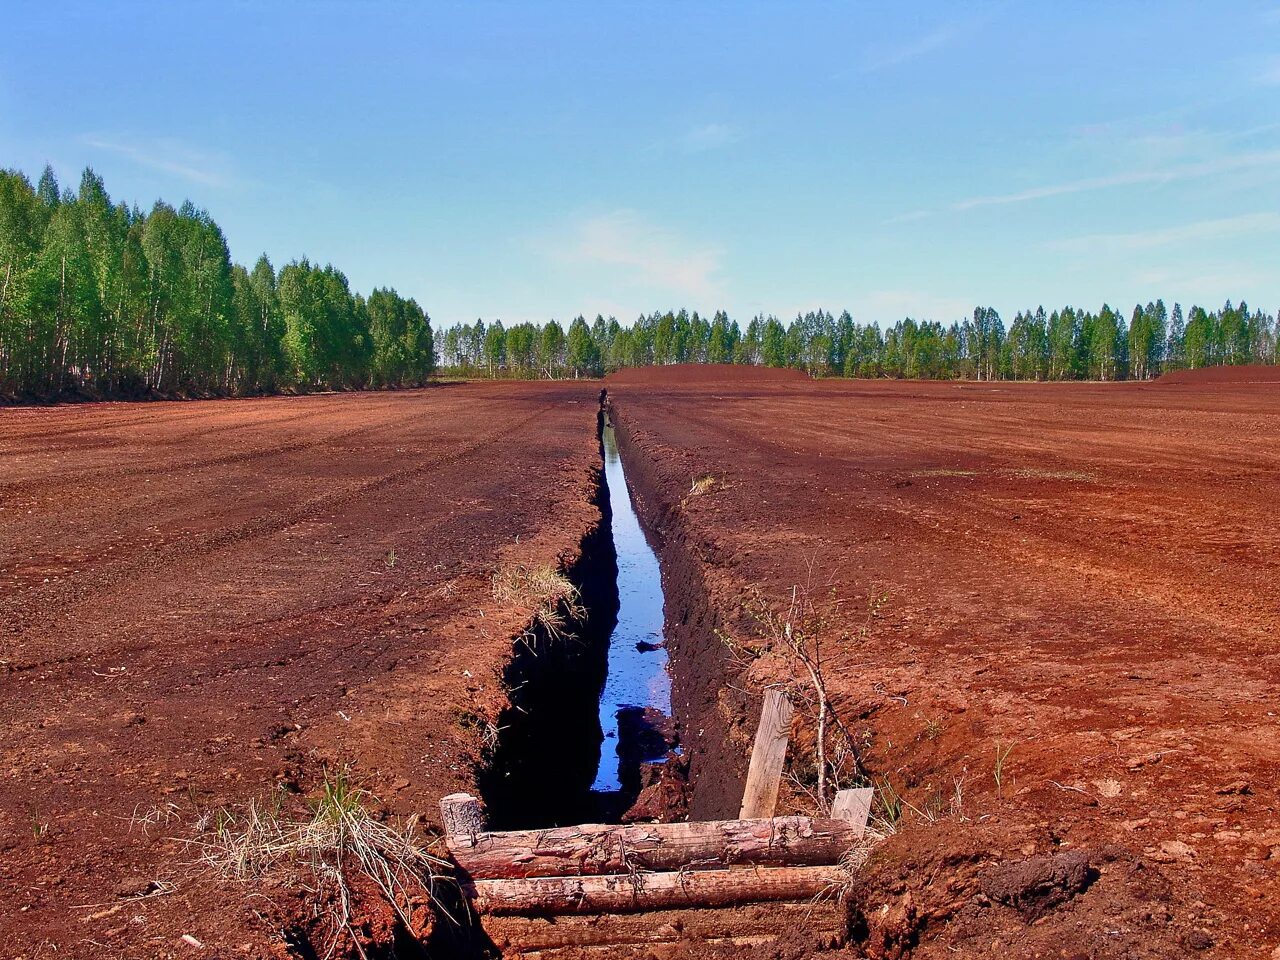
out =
column 527, row 161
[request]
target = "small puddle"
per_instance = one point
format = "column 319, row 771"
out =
column 635, row 704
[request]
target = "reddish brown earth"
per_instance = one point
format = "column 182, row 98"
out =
column 1248, row 373
column 203, row 600
column 1086, row 572
column 705, row 373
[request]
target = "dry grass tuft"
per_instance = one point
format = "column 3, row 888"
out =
column 856, row 857
column 854, row 861
column 340, row 840
column 703, row 484
column 556, row 601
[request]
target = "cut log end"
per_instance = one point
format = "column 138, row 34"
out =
column 462, row 817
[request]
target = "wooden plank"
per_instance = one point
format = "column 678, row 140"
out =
column 594, row 848
column 853, row 807
column 631, row 893
column 764, row 774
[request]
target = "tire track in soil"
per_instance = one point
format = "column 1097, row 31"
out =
column 156, row 413
column 125, row 472
column 181, row 555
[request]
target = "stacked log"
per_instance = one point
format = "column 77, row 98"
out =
column 637, row 892
column 820, row 925
column 593, row 849
column 622, row 868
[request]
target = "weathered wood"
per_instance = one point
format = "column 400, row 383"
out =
column 462, row 815
column 629, row 893
column 595, row 848
column 764, row 773
column 823, row 924
column 634, row 951
column 853, row 806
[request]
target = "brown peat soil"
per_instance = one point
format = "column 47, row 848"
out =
column 1082, row 576
column 202, row 601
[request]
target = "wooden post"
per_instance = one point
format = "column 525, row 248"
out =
column 853, row 807
column 764, row 773
column 462, row 817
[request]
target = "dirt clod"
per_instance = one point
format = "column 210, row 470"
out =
column 1038, row 884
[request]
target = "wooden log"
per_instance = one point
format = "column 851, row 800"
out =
column 594, row 848
column 822, row 925
column 630, row 893
column 462, row 815
column 637, row 951
column 764, row 774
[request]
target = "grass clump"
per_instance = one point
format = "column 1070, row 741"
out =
column 340, row 845
column 556, row 601
column 998, row 770
column 702, row 484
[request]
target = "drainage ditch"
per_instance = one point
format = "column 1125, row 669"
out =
column 589, row 722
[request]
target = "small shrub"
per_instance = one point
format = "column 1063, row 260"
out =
column 39, row 826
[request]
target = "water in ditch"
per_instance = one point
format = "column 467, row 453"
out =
column 635, row 704
column 587, row 710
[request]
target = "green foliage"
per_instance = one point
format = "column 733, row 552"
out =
column 1067, row 344
column 98, row 296
column 583, row 353
column 101, row 297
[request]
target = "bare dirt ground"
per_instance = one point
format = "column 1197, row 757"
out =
column 200, row 601
column 1083, row 575
column 203, row 601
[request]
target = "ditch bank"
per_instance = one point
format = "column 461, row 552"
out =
column 545, row 743
column 586, row 733
column 557, row 741
column 714, row 718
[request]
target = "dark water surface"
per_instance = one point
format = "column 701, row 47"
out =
column 588, row 708
column 637, row 683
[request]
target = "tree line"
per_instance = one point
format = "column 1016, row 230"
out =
column 1066, row 344
column 101, row 298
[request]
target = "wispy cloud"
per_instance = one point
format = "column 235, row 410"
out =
column 1269, row 76
column 1203, row 286
column 166, row 156
column 909, row 217
column 1235, row 163
column 645, row 256
column 710, row 136
column 1201, row 231
column 1219, row 165
column 896, row 54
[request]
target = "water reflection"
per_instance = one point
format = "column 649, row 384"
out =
column 636, row 698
